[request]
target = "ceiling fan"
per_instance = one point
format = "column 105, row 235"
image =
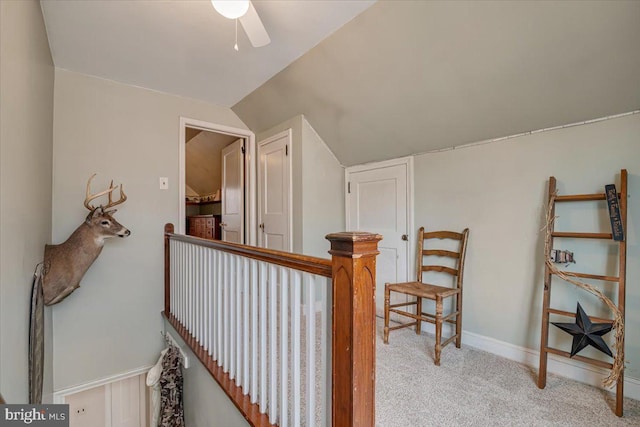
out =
column 244, row 11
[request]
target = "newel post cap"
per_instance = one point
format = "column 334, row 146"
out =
column 354, row 244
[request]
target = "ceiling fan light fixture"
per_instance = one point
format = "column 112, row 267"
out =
column 232, row 9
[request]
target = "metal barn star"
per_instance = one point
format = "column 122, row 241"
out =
column 586, row 333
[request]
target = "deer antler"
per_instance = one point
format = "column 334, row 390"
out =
column 109, row 191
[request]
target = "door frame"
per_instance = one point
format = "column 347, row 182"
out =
column 408, row 161
column 249, row 170
column 289, row 134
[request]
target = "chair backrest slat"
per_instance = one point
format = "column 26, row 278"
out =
column 440, row 269
column 442, row 235
column 440, row 252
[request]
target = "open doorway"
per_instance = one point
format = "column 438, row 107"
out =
column 216, row 177
column 203, row 183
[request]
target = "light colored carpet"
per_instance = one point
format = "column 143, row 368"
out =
column 476, row 388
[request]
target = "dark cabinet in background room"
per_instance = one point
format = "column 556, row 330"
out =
column 205, row 226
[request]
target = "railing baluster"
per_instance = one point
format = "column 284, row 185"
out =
column 202, row 300
column 311, row 350
column 175, row 284
column 284, row 346
column 219, row 310
column 187, row 293
column 254, row 330
column 198, row 295
column 273, row 343
column 185, row 285
column 238, row 287
column 193, row 287
column 175, row 310
column 325, row 348
column 178, row 267
column 296, row 337
column 205, row 300
column 189, row 283
column 263, row 339
column 194, row 308
column 232, row 318
column 172, row 280
column 246, row 321
column 225, row 312
column 184, row 278
column 210, row 304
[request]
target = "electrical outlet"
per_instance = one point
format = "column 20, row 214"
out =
column 164, row 183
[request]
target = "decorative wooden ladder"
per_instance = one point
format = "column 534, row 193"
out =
column 620, row 280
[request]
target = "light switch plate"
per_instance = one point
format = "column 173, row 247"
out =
column 164, row 183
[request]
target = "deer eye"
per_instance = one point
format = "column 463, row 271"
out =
column 105, row 222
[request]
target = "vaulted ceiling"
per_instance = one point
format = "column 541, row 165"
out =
column 185, row 47
column 376, row 82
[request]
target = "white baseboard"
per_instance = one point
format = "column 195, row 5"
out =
column 562, row 366
column 59, row 395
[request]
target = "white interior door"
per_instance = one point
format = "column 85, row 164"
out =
column 378, row 201
column 274, row 192
column 232, row 225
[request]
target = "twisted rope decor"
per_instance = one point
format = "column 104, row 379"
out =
column 618, row 322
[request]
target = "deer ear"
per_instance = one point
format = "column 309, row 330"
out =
column 97, row 212
column 111, row 211
column 94, row 213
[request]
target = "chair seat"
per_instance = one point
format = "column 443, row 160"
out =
column 423, row 290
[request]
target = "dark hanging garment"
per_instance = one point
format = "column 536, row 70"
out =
column 171, row 409
column 36, row 339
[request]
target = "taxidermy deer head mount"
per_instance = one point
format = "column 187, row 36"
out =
column 66, row 263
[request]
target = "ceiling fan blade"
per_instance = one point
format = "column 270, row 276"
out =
column 254, row 29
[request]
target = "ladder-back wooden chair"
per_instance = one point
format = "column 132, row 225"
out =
column 437, row 293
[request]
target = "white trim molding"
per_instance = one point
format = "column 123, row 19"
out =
column 59, row 395
column 250, row 171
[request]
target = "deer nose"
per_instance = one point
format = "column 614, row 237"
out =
column 127, row 233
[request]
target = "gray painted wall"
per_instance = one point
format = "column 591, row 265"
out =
column 112, row 323
column 499, row 191
column 322, row 195
column 26, row 126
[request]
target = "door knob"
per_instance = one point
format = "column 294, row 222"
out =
column 222, row 224
column 261, row 226
column 405, row 237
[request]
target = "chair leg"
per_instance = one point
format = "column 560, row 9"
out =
column 459, row 320
column 387, row 297
column 438, row 329
column 419, row 313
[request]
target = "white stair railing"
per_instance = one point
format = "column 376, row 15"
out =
column 267, row 326
column 289, row 338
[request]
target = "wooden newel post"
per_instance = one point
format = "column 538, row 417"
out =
column 354, row 328
column 168, row 228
